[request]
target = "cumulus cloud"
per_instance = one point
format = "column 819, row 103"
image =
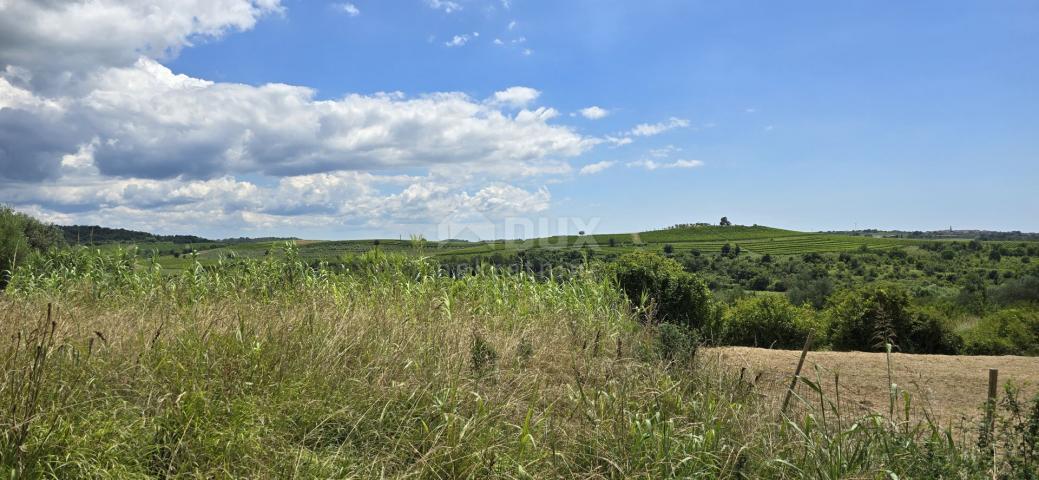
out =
column 152, row 123
column 127, row 142
column 445, row 5
column 146, row 139
column 594, row 112
column 348, row 8
column 596, row 167
column 654, row 165
column 57, row 41
column 461, row 40
column 324, row 199
column 515, row 96
column 650, row 129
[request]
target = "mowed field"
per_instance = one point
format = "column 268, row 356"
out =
column 952, row 389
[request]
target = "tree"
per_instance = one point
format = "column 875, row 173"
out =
column 995, row 255
column 726, row 249
column 770, row 321
column 973, row 293
column 671, row 294
column 19, row 235
column 725, row 222
column 669, row 249
column 867, row 318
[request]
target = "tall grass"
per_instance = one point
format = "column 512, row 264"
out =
column 274, row 368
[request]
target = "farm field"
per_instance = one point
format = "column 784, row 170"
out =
column 951, row 388
column 758, row 240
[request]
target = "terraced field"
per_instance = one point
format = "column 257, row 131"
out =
column 755, row 239
column 819, row 243
column 759, row 240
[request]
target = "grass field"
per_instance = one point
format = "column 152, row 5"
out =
column 267, row 368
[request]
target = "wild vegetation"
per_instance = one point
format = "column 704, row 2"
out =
column 389, row 364
column 384, row 365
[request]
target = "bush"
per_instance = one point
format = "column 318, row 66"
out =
column 675, row 342
column 866, row 318
column 673, row 295
column 931, row 332
column 770, row 321
column 809, row 288
column 1018, row 290
column 19, row 235
column 1006, row 332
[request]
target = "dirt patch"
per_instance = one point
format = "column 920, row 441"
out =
column 950, row 388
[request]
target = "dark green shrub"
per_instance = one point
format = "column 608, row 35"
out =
column 1006, row 332
column 660, row 284
column 867, row 318
column 808, row 288
column 1018, row 290
column 770, row 321
column 930, row 332
column 675, row 342
column 21, row 234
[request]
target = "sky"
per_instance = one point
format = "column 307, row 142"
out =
column 519, row 118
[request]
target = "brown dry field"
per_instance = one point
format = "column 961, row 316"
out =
column 952, row 389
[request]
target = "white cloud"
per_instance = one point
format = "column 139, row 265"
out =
column 617, row 141
column 127, row 142
column 515, row 96
column 527, row 52
column 445, row 5
column 152, row 123
column 512, row 25
column 497, row 41
column 317, row 200
column 650, row 129
column 596, row 167
column 594, row 112
column 57, row 41
column 348, row 8
column 654, row 165
column 460, row 40
column 664, row 152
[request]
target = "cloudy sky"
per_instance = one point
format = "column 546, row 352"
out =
column 327, row 119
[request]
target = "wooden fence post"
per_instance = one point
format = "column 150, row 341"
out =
column 990, row 404
column 797, row 372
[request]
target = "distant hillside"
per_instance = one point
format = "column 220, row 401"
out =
column 96, row 235
column 944, row 234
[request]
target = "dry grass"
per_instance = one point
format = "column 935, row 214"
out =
column 951, row 388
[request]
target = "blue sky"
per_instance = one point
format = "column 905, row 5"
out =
column 804, row 115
